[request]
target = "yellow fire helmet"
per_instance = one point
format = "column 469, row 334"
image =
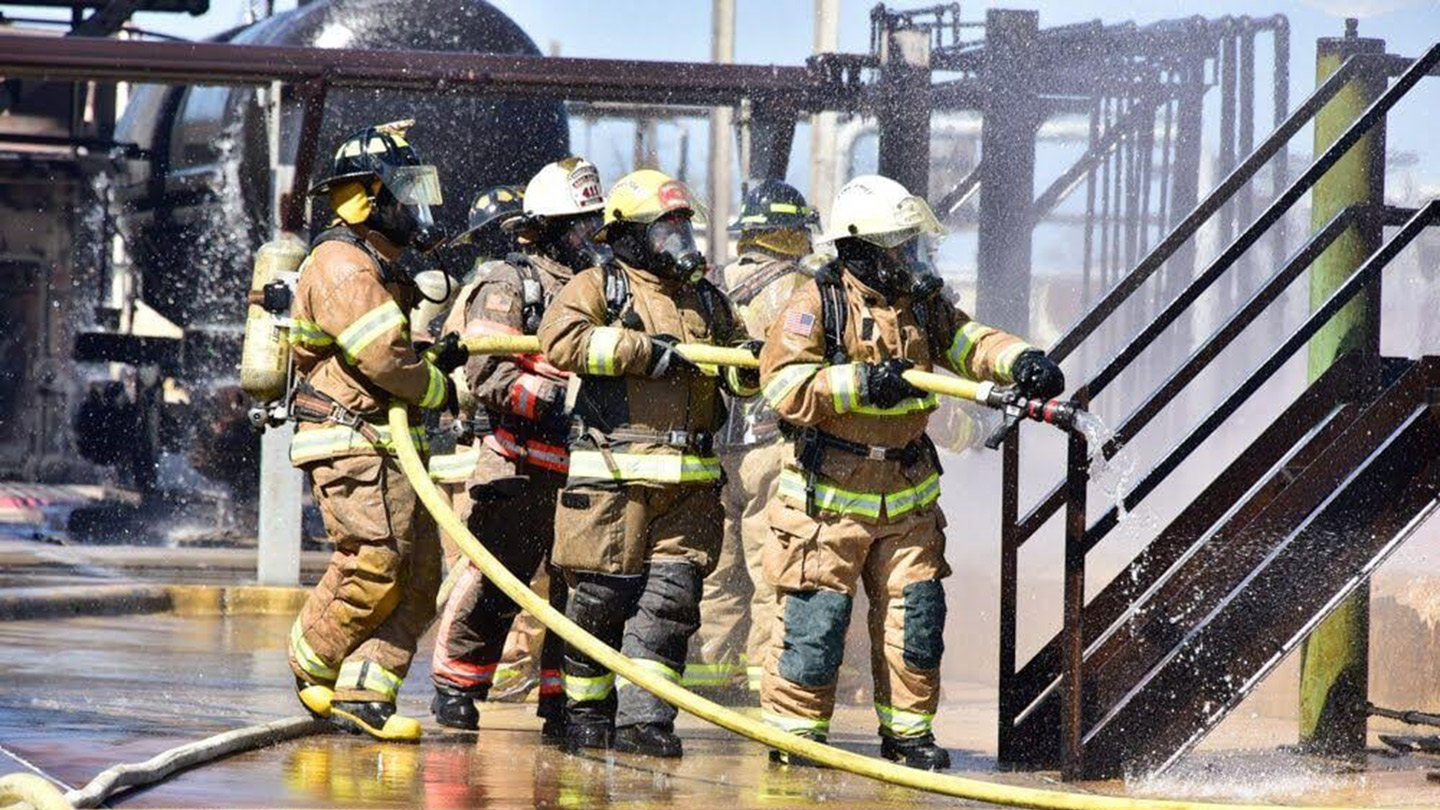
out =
column 644, row 196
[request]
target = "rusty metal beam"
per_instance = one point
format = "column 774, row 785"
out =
column 609, row 80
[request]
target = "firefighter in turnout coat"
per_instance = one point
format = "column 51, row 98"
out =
column 522, row 458
column 638, row 523
column 857, row 502
column 352, row 643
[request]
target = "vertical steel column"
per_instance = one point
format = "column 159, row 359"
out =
column 722, row 50
column 823, row 175
column 1279, row 232
column 1245, row 202
column 903, row 117
column 1011, row 112
column 1334, row 677
column 1090, row 207
column 1072, row 684
column 1009, row 590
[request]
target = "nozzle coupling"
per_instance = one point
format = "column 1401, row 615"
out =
column 1008, row 401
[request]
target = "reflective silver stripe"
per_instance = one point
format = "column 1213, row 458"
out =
column 655, row 667
column 600, row 357
column 787, row 379
column 368, row 676
column 797, row 725
column 844, row 386
column 307, row 658
column 1006, row 360
column 831, row 498
column 369, row 326
column 308, row 333
column 670, row 469
column 580, row 689
column 309, row 445
column 453, row 468
column 904, row 723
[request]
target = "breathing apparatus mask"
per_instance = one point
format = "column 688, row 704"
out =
column 903, row 269
column 571, row 240
column 666, row 247
column 401, row 210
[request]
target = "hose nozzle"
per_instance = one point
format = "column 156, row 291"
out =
column 1015, row 407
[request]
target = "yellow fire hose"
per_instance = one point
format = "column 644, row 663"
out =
column 709, row 711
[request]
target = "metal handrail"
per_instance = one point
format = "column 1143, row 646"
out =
column 1419, row 68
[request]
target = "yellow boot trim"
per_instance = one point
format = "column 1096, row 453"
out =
column 317, row 698
column 398, row 728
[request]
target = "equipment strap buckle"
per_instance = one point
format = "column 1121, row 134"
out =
column 875, row 453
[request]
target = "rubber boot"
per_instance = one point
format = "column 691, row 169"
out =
column 779, row 757
column 377, row 719
column 316, row 698
column 916, row 752
column 580, row 736
column 455, row 709
column 650, row 739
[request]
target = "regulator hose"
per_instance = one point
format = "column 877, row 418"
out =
column 711, row 712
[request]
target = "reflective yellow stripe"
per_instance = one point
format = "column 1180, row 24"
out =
column 869, row 504
column 655, row 667
column 784, row 208
column 922, row 494
column 798, row 725
column 904, row 723
column 904, row 407
column 669, row 469
column 453, row 468
column 309, row 445
column 963, row 345
column 1006, row 360
column 600, row 358
column 435, row 391
column 844, row 386
column 308, row 333
column 369, row 326
column 732, row 376
column 753, row 676
column 368, row 676
column 711, row 674
column 831, row 498
column 580, row 689
column 307, row 658
column 787, row 379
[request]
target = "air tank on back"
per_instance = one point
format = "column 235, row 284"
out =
column 195, row 209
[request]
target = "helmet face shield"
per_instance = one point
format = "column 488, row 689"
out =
column 571, row 240
column 413, row 185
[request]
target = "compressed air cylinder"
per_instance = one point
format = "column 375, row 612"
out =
column 265, row 355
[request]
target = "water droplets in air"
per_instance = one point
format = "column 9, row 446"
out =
column 1114, row 475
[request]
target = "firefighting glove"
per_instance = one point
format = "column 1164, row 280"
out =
column 666, row 359
column 1037, row 376
column 452, row 397
column 884, row 384
column 447, row 354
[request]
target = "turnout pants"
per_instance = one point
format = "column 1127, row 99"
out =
column 649, row 616
column 737, row 607
column 815, row 564
column 477, row 617
column 358, row 629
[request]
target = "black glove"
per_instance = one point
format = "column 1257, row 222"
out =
column 448, row 354
column 753, row 347
column 884, row 385
column 666, row 359
column 452, row 397
column 1037, row 376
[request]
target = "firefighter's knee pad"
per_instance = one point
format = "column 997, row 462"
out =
column 815, row 625
column 598, row 600
column 924, row 624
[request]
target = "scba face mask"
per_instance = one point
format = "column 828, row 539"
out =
column 404, row 207
column 903, row 268
column 571, row 240
column 670, row 242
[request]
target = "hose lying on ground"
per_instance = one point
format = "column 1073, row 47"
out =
column 678, row 696
column 41, row 795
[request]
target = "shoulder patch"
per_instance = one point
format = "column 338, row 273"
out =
column 499, row 301
column 799, row 322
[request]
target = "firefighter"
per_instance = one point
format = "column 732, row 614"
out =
column 639, row 521
column 775, row 226
column 857, row 501
column 352, row 643
column 451, row 470
column 522, row 456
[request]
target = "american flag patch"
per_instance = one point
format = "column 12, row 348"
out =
column 801, row 323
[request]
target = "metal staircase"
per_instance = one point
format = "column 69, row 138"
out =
column 1154, row 661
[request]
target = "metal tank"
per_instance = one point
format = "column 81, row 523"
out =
column 197, row 206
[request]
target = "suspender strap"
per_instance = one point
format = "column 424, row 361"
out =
column 311, row 405
column 745, row 292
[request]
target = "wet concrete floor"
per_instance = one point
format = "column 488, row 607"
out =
column 78, row 695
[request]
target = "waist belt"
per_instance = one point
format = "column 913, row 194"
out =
column 308, row 404
column 700, row 441
column 812, row 443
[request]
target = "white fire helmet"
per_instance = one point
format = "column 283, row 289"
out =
column 881, row 212
column 565, row 188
